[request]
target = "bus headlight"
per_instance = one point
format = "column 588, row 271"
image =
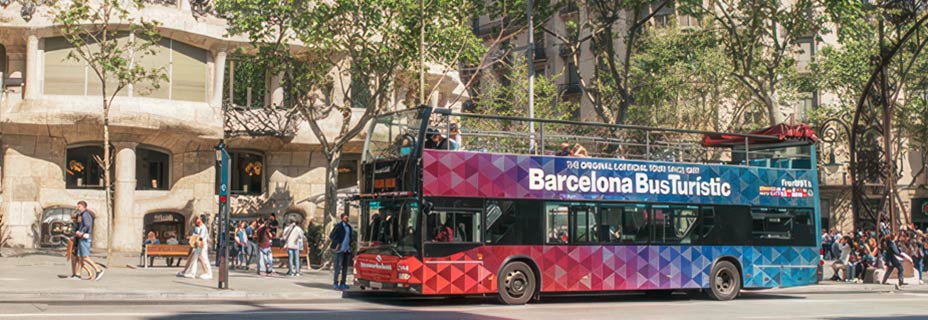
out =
column 402, row 276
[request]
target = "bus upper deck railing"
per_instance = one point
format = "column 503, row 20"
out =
column 515, row 135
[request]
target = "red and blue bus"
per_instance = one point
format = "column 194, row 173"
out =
column 464, row 204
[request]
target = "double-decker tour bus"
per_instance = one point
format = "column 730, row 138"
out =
column 465, row 204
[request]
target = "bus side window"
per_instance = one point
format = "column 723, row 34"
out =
column 707, row 221
column 625, row 224
column 556, row 223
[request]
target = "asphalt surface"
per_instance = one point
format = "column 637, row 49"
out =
column 751, row 305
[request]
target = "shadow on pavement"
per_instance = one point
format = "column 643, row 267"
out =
column 406, row 300
column 316, row 285
column 288, row 313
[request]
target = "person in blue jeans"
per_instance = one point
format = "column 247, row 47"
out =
column 294, row 239
column 341, row 245
column 266, row 262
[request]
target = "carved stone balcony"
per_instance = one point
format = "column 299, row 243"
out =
column 260, row 122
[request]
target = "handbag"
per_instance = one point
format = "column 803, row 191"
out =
column 194, row 241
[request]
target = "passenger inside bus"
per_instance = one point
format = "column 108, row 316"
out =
column 445, row 233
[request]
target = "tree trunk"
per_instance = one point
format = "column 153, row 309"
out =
column 774, row 116
column 331, row 217
column 107, row 180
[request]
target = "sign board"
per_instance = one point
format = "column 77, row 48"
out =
column 485, row 175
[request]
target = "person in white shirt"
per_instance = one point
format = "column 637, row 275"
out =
column 294, row 238
column 200, row 253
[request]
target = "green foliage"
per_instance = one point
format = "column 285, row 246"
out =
column 248, row 74
column 339, row 58
column 680, row 88
column 506, row 94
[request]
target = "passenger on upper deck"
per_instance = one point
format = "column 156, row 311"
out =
column 434, row 140
column 565, row 150
column 579, row 151
column 455, row 137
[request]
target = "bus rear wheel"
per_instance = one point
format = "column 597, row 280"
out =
column 724, row 281
column 516, row 283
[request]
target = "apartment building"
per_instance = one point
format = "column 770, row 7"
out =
column 163, row 139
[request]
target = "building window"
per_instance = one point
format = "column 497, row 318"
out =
column 807, row 102
column 295, row 216
column 806, row 54
column 151, row 169
column 348, row 174
column 184, row 66
column 245, row 82
column 57, row 227
column 247, row 172
column 83, row 171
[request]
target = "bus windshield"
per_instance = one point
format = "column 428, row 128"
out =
column 393, row 135
column 391, row 223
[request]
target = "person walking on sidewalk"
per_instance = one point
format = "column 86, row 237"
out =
column 83, row 241
column 252, row 248
column 293, row 238
column 241, row 246
column 341, row 244
column 200, row 253
column 266, row 261
column 890, row 253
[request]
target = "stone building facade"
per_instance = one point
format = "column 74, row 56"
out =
column 162, row 139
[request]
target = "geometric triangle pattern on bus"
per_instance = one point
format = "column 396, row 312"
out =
column 485, row 175
column 615, row 268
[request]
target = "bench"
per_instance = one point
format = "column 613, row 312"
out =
column 280, row 255
column 150, row 251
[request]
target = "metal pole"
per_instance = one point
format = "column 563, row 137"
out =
column 531, row 76
column 223, row 216
column 887, row 139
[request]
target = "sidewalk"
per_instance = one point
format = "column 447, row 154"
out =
column 32, row 276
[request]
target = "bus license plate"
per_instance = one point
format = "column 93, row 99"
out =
column 376, row 285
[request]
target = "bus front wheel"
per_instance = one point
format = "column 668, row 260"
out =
column 724, row 281
column 516, row 283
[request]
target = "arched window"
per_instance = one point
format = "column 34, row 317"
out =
column 152, row 169
column 247, row 172
column 82, row 171
column 164, row 224
column 56, row 226
column 296, row 216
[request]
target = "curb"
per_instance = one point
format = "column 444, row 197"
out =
column 7, row 297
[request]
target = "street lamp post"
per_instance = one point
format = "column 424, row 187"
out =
column 531, row 75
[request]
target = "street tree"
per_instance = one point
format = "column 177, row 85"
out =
column 109, row 40
column 681, row 78
column 342, row 60
column 761, row 40
column 611, row 30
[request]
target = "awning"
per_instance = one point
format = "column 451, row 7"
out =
column 775, row 134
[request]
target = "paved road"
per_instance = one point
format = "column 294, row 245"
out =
column 752, row 305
